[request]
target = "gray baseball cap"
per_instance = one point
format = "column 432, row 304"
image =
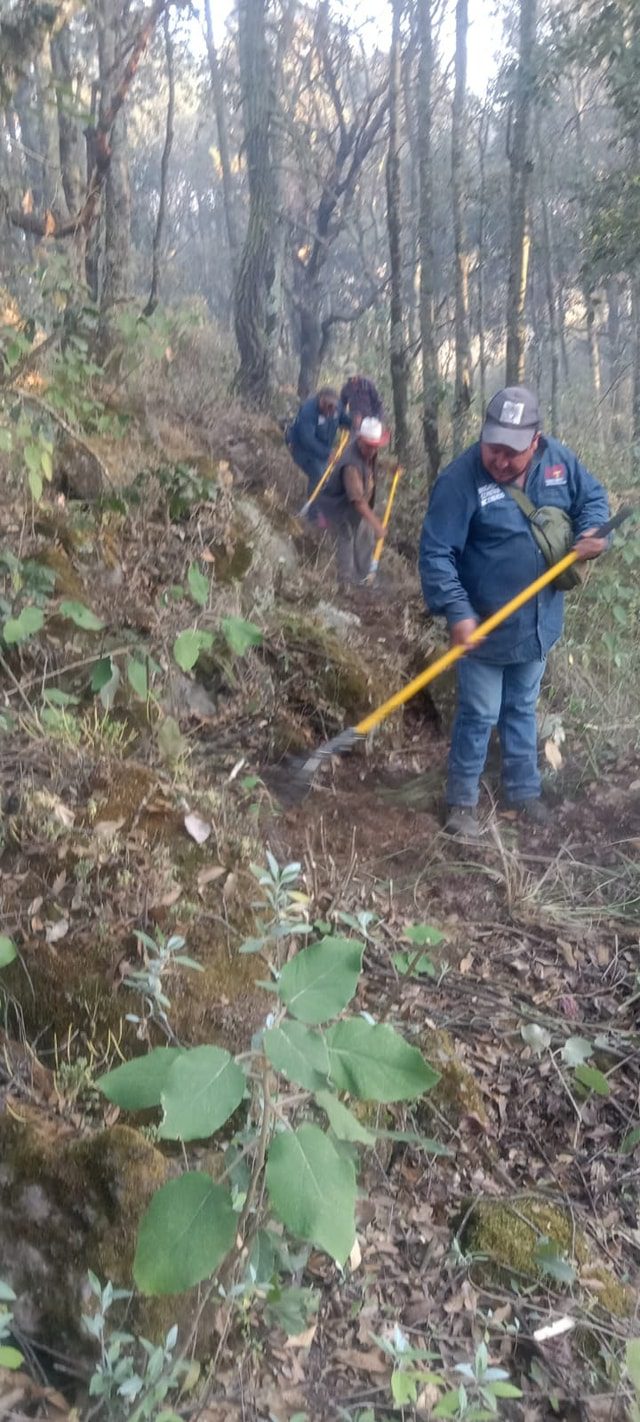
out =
column 512, row 418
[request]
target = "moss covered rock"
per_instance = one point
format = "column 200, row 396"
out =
column 329, row 680
column 508, row 1235
column 457, row 1093
column 70, row 1204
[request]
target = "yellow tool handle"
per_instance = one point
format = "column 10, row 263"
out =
column 385, row 520
column 329, row 470
column 455, row 653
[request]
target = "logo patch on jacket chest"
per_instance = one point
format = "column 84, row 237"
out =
column 555, row 474
column 489, row 494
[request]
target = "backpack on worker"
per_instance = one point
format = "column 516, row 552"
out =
column 553, row 532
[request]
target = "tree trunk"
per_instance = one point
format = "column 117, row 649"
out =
column 549, row 285
column 69, row 131
column 462, row 388
column 412, row 279
column 25, row 107
column 48, row 128
column 483, row 138
column 94, row 235
column 117, row 208
column 520, row 168
column 397, row 327
column 70, row 145
column 635, row 381
column 614, row 333
column 217, row 89
column 256, row 273
column 430, row 380
column 164, row 169
column 586, row 279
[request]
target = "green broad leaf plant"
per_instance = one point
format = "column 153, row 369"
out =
column 292, row 1160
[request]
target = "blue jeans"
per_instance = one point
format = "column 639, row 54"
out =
column 502, row 696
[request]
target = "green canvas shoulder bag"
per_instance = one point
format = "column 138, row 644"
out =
column 553, row 532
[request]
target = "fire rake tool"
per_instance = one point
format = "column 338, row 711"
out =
column 300, row 773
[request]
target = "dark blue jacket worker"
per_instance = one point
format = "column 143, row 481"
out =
column 311, row 435
column 476, row 552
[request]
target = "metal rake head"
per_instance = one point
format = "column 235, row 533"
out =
column 293, row 778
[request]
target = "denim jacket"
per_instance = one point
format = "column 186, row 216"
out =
column 477, row 550
column 312, row 434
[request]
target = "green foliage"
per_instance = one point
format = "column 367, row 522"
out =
column 188, row 646
column 160, row 959
column 287, row 907
column 8, row 950
column 81, row 615
column 202, row 1089
column 476, row 1399
column 138, row 678
column 184, row 488
column 320, row 981
column 343, row 1123
column 551, row 1260
column 312, row 1189
column 133, row 1377
column 309, row 1172
column 630, row 1141
column 632, row 1361
column 198, row 585
column 415, row 963
column 186, row 1232
column 10, row 1357
column 300, row 1054
column 593, row 1079
column 18, row 629
column 240, row 635
column 138, row 1085
column 374, row 1062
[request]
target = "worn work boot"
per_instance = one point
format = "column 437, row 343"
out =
column 534, row 811
column 462, row 820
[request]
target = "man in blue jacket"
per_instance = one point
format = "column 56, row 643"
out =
column 311, row 435
column 476, row 552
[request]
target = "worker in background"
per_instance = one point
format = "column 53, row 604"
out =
column 346, row 504
column 360, row 397
column 311, row 435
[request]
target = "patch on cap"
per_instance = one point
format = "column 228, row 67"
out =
column 512, row 412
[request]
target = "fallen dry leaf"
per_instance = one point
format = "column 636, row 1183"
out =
column 355, row 1257
column 230, row 888
column 55, row 931
column 105, row 829
column 372, row 1361
column 553, row 754
column 198, row 828
column 209, row 874
column 64, row 814
column 166, row 900
column 302, row 1340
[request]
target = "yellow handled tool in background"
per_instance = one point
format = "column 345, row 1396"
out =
column 377, row 552
column 300, row 776
column 329, row 470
